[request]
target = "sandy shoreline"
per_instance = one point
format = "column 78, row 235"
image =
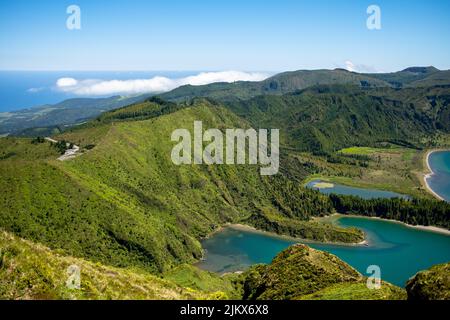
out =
column 430, row 173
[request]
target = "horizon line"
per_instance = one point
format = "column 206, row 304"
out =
column 215, row 70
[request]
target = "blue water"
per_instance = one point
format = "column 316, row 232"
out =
column 440, row 180
column 363, row 193
column 398, row 250
column 24, row 89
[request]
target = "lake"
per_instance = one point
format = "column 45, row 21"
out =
column 399, row 251
column 328, row 188
column 439, row 181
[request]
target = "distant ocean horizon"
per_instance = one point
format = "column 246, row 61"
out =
column 25, row 89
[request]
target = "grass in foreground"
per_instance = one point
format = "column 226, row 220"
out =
column 32, row 271
column 300, row 272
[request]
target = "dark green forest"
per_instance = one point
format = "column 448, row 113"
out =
column 415, row 211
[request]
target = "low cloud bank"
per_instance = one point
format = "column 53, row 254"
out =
column 92, row 87
column 360, row 68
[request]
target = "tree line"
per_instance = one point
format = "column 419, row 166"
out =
column 411, row 211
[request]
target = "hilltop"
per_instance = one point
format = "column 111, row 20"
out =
column 431, row 284
column 300, row 272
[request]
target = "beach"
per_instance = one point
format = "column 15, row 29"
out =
column 430, row 173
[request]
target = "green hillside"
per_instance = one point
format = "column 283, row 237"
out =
column 292, row 81
column 122, row 205
column 300, row 272
column 286, row 82
column 32, row 271
column 405, row 77
column 328, row 118
column 431, row 284
column 436, row 79
column 123, row 202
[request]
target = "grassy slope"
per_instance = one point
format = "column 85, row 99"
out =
column 357, row 291
column 300, row 272
column 32, row 271
column 431, row 284
column 188, row 276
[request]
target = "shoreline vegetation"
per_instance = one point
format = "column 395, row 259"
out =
column 430, row 173
column 247, row 228
column 327, row 219
column 332, row 181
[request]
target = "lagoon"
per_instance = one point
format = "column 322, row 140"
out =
column 439, row 181
column 329, row 188
column 400, row 251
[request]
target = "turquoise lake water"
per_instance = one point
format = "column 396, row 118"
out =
column 361, row 192
column 440, row 180
column 398, row 250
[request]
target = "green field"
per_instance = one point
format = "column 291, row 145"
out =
column 364, row 150
column 395, row 169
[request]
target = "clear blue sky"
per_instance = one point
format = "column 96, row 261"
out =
column 223, row 35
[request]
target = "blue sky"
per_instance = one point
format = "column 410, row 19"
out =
column 223, row 35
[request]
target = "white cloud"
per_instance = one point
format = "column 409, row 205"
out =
column 361, row 68
column 66, row 82
column 92, row 87
column 350, row 66
column 35, row 90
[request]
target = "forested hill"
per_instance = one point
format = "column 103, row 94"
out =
column 288, row 82
column 327, row 118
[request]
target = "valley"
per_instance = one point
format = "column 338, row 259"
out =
column 125, row 208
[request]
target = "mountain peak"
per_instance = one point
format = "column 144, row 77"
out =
column 428, row 69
